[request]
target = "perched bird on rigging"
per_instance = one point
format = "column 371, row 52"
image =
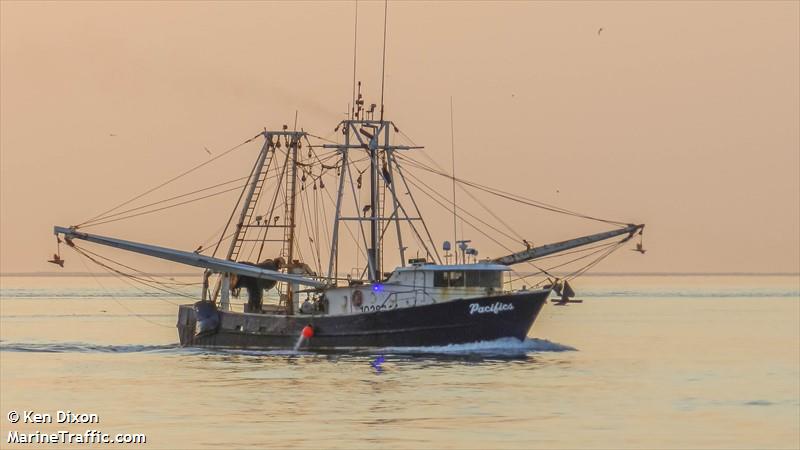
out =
column 358, row 180
column 639, row 248
column 386, row 175
column 527, row 244
column 366, row 209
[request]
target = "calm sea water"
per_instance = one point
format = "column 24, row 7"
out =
column 645, row 362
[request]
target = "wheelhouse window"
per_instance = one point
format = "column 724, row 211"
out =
column 448, row 279
column 485, row 278
column 469, row 278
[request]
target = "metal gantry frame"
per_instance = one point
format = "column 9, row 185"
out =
column 374, row 137
column 258, row 178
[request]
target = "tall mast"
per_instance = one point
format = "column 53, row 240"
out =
column 453, row 162
column 291, row 212
column 375, row 240
column 333, row 262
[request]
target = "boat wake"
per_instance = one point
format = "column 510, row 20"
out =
column 77, row 347
column 501, row 347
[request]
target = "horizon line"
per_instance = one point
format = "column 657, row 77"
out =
column 598, row 274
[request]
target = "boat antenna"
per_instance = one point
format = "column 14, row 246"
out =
column 453, row 162
column 383, row 66
column 355, row 57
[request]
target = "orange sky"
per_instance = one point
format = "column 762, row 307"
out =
column 681, row 115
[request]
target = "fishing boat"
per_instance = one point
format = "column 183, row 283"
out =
column 427, row 299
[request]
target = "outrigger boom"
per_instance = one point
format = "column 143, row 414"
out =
column 188, row 258
column 222, row 265
column 549, row 249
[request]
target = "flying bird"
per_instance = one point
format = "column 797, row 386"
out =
column 600, row 30
column 112, row 135
column 207, row 150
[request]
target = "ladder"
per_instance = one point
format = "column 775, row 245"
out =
column 245, row 222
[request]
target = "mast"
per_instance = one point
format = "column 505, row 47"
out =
column 375, row 242
column 333, row 262
column 396, row 207
column 453, row 162
column 291, row 212
column 372, row 136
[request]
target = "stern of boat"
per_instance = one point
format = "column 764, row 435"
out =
column 187, row 324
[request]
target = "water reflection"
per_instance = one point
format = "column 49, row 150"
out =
column 501, row 351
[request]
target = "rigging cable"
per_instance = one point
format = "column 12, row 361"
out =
column 149, row 277
column 510, row 196
column 460, row 208
column 86, row 224
column 597, row 249
column 163, row 208
column 171, row 179
column 117, row 301
column 477, row 228
column 470, row 194
column 86, row 254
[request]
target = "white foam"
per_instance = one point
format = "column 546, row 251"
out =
column 499, row 347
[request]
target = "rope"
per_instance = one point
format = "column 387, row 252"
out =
column 604, row 248
column 508, row 195
column 88, row 223
column 170, row 180
column 162, row 208
column 140, row 280
column 458, row 207
column 150, row 277
column 116, row 300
